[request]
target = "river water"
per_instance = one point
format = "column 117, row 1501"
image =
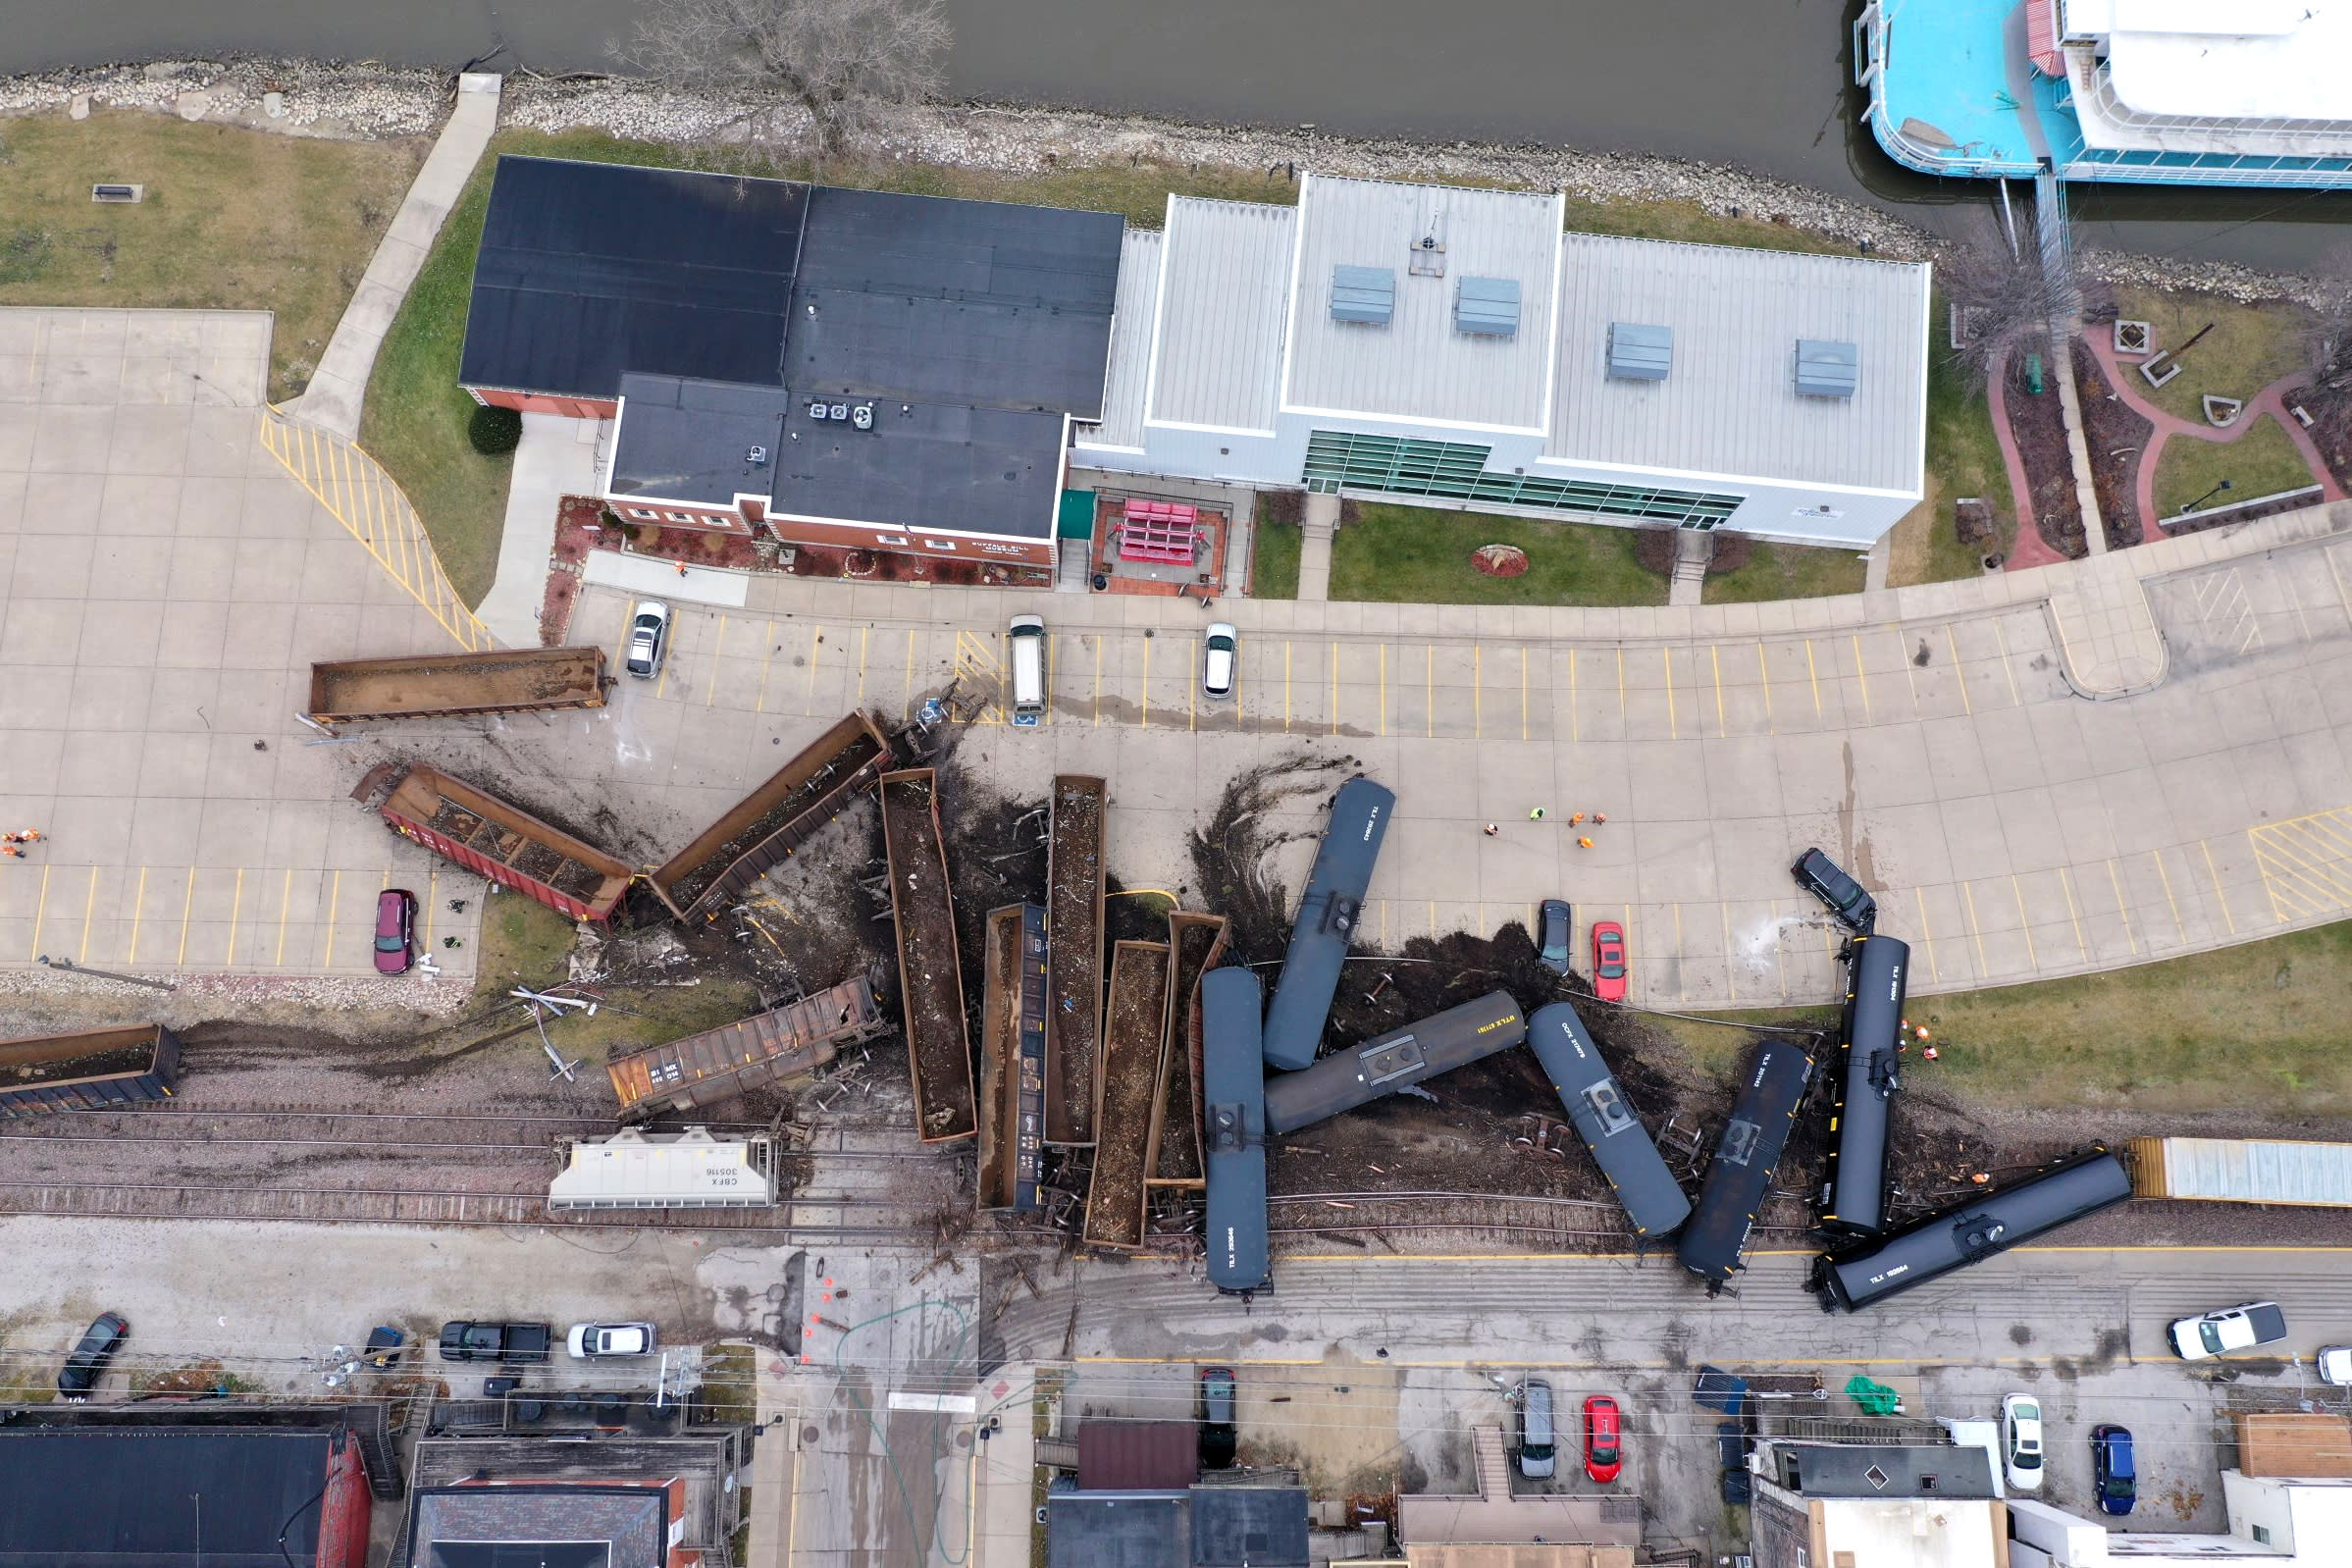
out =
column 1764, row 83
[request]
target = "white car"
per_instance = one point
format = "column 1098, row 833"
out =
column 2021, row 1441
column 648, row 635
column 2335, row 1364
column 1223, row 650
column 2217, row 1333
column 605, row 1341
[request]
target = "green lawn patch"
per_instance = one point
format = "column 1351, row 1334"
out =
column 526, row 943
column 2249, row 348
column 1963, row 459
column 1274, row 563
column 1785, row 571
column 2260, row 462
column 1416, row 556
column 2258, row 1028
column 231, row 220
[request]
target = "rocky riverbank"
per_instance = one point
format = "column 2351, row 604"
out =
column 368, row 100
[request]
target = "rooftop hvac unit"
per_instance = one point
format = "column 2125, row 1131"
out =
column 1826, row 369
column 862, row 416
column 1486, row 307
column 1639, row 353
column 818, row 411
column 1365, row 295
column 757, row 457
column 838, row 411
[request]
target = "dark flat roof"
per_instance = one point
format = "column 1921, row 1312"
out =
column 924, row 465
column 496, row 1525
column 1853, row 1470
column 683, row 440
column 929, row 298
column 1262, row 1526
column 125, row 1497
column 591, row 269
column 1118, row 1530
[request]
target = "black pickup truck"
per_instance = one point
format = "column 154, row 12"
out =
column 511, row 1343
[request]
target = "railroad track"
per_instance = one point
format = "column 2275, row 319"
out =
column 389, row 1133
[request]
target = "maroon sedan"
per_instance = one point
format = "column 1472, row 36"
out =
column 395, row 930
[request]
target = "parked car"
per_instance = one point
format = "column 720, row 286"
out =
column 1555, row 930
column 2335, row 1364
column 648, row 637
column 1604, row 1450
column 1217, row 1434
column 605, row 1341
column 1538, row 1436
column 86, row 1362
column 1027, row 635
column 1608, row 961
column 505, row 1342
column 2021, row 1441
column 2215, row 1333
column 395, row 931
column 1846, row 899
column 1731, row 1453
column 1220, row 657
column 2114, row 1476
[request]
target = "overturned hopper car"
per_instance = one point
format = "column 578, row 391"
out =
column 1853, row 1183
column 1326, row 923
column 2070, row 1190
column 1653, row 1200
column 498, row 840
column 1233, row 1087
column 1387, row 1063
column 504, row 680
column 769, row 1047
column 1741, row 1173
column 87, row 1070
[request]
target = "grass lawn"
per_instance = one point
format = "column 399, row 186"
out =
column 1273, row 568
column 2249, row 348
column 2262, row 1027
column 1963, row 460
column 1422, row 557
column 231, row 220
column 1787, row 571
column 526, row 943
column 2260, row 462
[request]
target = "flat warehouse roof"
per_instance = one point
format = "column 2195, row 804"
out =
column 982, row 303
column 66, row 1495
column 925, row 466
column 693, row 441
column 1221, row 313
column 1729, row 404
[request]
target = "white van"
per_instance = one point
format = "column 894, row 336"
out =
column 1028, row 670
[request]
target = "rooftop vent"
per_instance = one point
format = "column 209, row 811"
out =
column 1486, row 307
column 1365, row 295
column 757, row 457
column 1639, row 353
column 1827, row 369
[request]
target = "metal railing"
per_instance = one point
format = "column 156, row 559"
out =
column 364, row 498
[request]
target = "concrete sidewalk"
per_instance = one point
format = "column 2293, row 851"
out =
column 339, row 386
column 660, row 579
column 558, row 457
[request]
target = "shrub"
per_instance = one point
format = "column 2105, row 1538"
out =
column 495, row 432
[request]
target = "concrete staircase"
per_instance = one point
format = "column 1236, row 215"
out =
column 1493, row 1462
column 1694, row 552
column 1318, row 519
column 1069, row 573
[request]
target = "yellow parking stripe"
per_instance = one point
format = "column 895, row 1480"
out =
column 2024, row 925
column 237, row 905
column 1976, row 930
column 89, row 907
column 40, row 911
column 2072, row 912
column 1935, row 971
column 1765, row 673
column 1673, row 728
column 717, row 647
column 2016, row 698
column 334, row 902
column 1861, row 676
column 2166, row 877
column 1813, row 675
column 188, row 905
column 767, row 643
column 2214, row 871
column 1715, row 656
column 2115, row 877
column 138, row 908
column 1959, row 674
column 816, row 643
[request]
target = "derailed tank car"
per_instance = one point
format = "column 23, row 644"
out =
column 1653, row 1200
column 1741, row 1173
column 1326, row 923
column 1854, row 1183
column 2072, row 1190
column 1233, row 1091
column 1387, row 1063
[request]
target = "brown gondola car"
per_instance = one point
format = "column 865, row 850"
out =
column 506, row 680
column 496, row 840
column 88, row 1071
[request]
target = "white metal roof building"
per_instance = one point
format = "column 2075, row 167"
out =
column 690, row 1170
column 1456, row 346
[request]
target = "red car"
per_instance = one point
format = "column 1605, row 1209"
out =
column 1608, row 961
column 1604, row 1458
column 395, row 930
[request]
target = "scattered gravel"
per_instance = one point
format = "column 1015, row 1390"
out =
column 369, row 100
column 41, row 1000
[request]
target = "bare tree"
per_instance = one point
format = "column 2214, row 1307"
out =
column 1999, row 299
column 843, row 61
column 2330, row 334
